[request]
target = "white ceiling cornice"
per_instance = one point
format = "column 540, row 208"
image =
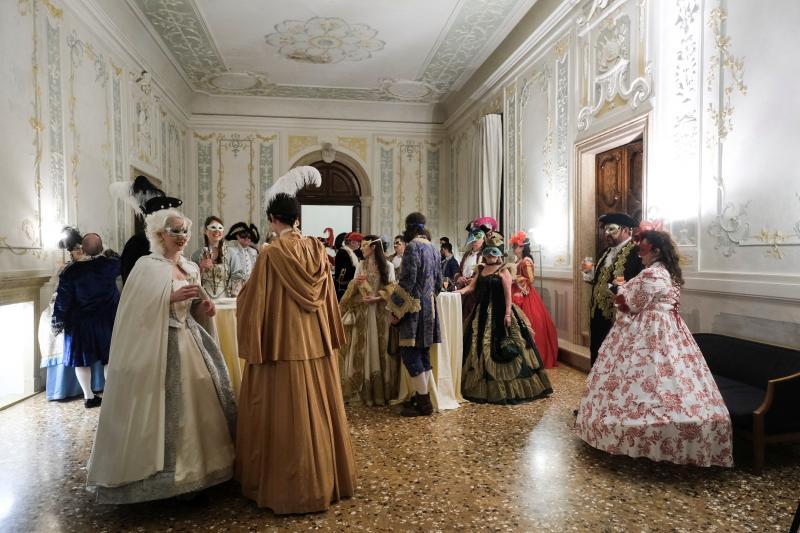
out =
column 98, row 20
column 527, row 53
column 223, row 122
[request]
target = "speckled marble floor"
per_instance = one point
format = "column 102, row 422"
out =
column 480, row 467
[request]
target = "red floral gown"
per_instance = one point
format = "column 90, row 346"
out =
column 525, row 296
column 650, row 393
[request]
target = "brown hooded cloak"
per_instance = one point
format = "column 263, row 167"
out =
column 293, row 449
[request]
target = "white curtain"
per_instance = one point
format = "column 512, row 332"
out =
column 488, row 150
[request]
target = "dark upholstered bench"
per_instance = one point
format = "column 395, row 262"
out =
column 760, row 384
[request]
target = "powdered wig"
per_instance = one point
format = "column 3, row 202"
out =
column 157, row 222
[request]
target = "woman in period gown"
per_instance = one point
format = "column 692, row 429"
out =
column 527, row 298
column 501, row 363
column 222, row 275
column 168, row 416
column 369, row 373
column 650, row 392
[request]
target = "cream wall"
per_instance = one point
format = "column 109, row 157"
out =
column 75, row 121
column 710, row 85
column 235, row 160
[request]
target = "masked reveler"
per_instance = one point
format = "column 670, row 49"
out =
column 221, row 271
column 293, row 447
column 369, row 374
column 618, row 264
column 168, row 416
column 243, row 241
column 501, row 361
column 144, row 198
column 413, row 308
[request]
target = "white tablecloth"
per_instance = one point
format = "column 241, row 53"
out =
column 445, row 357
column 225, row 322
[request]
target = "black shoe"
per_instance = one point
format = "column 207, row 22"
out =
column 93, row 402
column 575, row 413
column 408, row 404
column 420, row 406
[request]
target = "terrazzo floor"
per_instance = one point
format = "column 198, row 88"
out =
column 480, row 467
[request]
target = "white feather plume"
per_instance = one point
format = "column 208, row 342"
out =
column 293, row 181
column 123, row 190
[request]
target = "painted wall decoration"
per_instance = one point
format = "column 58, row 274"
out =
column 615, row 68
column 322, row 40
column 80, row 118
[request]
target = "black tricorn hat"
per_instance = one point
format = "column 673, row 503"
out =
column 242, row 227
column 70, row 238
column 160, row 202
column 622, row 219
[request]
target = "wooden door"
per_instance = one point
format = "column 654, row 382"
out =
column 619, row 184
column 339, row 187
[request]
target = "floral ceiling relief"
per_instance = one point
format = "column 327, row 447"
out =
column 324, row 40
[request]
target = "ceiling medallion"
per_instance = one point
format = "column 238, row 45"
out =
column 234, row 82
column 405, row 89
column 324, row 40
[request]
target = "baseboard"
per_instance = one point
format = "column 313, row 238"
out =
column 574, row 355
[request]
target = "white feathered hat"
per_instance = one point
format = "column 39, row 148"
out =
column 293, row 181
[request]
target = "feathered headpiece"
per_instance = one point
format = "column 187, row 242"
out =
column 135, row 193
column 487, row 224
column 70, row 238
column 649, row 225
column 520, row 238
column 328, row 237
column 293, row 181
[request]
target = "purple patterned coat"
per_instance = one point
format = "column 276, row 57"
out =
column 414, row 298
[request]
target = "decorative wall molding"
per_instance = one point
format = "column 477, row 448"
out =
column 266, row 174
column 723, row 65
column 297, row 143
column 386, row 170
column 607, row 59
column 357, row 145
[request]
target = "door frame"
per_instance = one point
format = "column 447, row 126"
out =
column 584, row 218
column 361, row 175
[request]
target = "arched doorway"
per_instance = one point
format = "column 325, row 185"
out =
column 339, row 187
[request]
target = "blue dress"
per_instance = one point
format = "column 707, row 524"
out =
column 85, row 307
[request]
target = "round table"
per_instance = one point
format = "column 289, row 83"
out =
column 225, row 322
column 446, row 357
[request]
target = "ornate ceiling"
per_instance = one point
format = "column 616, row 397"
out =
column 408, row 51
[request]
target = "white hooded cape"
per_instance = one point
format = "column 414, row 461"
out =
column 129, row 444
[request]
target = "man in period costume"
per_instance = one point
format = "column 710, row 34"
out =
column 618, row 263
column 413, row 308
column 450, row 265
column 293, row 449
column 85, row 307
column 346, row 261
column 245, row 245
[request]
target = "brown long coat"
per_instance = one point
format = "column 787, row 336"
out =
column 293, row 449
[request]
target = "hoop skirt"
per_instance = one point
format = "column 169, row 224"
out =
column 650, row 393
column 488, row 375
column 527, row 298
